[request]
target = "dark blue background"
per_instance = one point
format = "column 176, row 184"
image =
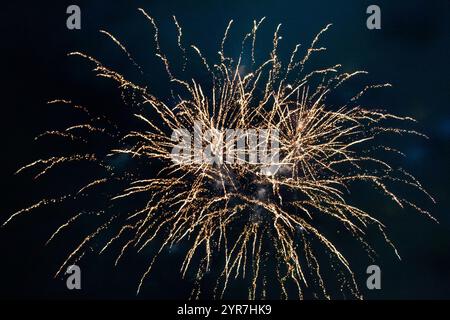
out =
column 411, row 51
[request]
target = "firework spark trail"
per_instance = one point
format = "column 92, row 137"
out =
column 200, row 203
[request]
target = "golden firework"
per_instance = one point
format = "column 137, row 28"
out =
column 234, row 215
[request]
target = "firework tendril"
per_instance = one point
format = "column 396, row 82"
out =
column 232, row 217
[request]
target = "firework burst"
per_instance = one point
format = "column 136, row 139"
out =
column 236, row 216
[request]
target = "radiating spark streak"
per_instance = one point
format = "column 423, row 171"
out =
column 121, row 46
column 63, row 226
column 91, row 184
column 39, row 204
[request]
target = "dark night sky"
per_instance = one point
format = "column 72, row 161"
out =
column 411, row 51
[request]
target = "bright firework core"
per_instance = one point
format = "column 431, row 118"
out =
column 250, row 204
column 232, row 147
